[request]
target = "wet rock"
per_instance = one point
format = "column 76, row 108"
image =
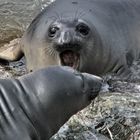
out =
column 15, row 16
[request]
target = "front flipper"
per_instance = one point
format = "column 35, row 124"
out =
column 12, row 51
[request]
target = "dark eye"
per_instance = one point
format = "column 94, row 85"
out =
column 52, row 31
column 82, row 29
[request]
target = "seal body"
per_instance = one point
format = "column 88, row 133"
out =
column 29, row 105
column 93, row 36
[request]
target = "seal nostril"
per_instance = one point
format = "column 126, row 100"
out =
column 82, row 29
column 52, row 31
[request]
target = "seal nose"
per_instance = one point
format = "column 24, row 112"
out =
column 65, row 38
column 94, row 85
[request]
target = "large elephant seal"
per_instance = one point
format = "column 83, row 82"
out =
column 94, row 36
column 35, row 106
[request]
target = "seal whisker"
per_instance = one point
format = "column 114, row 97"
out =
column 50, row 51
column 51, row 18
column 80, row 14
column 57, row 16
column 76, row 15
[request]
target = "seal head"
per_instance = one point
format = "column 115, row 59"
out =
column 65, row 38
column 36, row 105
column 62, row 92
column 68, row 39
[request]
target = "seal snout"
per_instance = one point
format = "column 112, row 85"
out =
column 67, row 39
column 94, row 91
column 93, row 83
column 66, row 44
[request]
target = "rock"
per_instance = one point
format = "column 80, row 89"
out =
column 15, row 16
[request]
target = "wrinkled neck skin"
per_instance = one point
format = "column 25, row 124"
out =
column 21, row 112
column 32, row 109
column 37, row 113
column 24, row 114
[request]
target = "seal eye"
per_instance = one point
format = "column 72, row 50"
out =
column 52, row 31
column 82, row 29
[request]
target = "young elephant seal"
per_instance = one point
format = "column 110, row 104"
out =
column 93, row 36
column 35, row 106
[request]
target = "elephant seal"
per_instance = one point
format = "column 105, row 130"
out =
column 36, row 105
column 93, row 36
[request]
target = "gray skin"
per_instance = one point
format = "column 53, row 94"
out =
column 36, row 105
column 104, row 35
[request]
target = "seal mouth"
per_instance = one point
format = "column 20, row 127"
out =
column 70, row 58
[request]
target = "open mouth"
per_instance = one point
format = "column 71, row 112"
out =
column 70, row 58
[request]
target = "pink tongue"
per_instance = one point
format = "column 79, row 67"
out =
column 69, row 58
